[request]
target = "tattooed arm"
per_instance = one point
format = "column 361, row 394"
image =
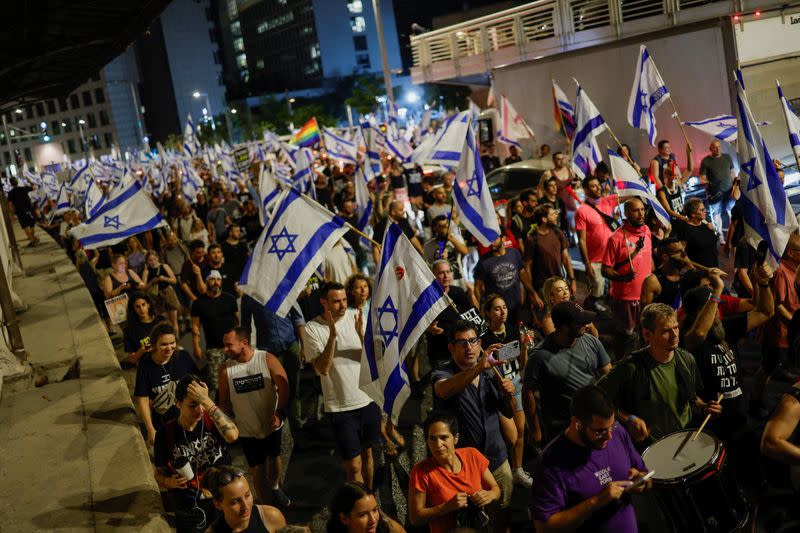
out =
column 198, row 391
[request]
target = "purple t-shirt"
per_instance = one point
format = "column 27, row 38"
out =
column 569, row 474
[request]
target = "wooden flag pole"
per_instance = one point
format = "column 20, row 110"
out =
column 678, row 118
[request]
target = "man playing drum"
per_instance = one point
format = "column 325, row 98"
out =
column 586, row 475
column 655, row 388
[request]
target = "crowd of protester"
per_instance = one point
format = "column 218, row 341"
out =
column 651, row 349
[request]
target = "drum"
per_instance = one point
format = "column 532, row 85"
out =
column 692, row 487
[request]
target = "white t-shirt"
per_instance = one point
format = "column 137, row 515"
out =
column 340, row 390
column 338, row 264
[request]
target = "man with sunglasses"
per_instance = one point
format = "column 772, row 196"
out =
column 587, row 473
column 663, row 285
column 466, row 386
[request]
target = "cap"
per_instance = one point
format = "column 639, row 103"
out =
column 566, row 313
column 214, row 274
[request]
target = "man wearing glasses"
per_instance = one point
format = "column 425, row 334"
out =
column 587, row 473
column 464, row 387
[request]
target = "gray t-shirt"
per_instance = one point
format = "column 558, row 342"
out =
column 718, row 172
column 558, row 372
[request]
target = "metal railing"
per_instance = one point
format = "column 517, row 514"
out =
column 546, row 27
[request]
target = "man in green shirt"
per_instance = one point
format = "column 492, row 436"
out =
column 655, row 388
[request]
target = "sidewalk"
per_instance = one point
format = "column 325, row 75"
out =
column 73, row 458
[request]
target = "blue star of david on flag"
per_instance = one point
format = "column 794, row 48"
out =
column 474, row 186
column 276, row 239
column 749, row 169
column 111, row 222
column 388, row 308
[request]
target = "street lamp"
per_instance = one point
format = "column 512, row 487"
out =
column 198, row 95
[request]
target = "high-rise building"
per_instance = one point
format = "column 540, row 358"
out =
column 272, row 46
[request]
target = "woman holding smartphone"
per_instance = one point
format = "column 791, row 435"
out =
column 501, row 331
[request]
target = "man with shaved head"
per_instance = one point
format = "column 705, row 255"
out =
column 627, row 262
column 716, row 172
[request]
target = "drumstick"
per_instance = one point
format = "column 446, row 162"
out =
column 708, row 417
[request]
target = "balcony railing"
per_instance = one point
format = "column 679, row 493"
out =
column 547, row 27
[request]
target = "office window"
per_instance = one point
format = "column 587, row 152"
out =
column 51, row 107
column 74, row 102
column 87, row 98
column 314, row 50
column 55, row 127
column 29, row 112
column 241, row 61
column 306, row 30
column 99, row 96
column 260, row 64
column 238, row 44
column 363, row 61
column 40, row 109
column 233, row 11
column 91, row 120
column 67, row 125
column 95, row 140
column 236, row 28
column 360, row 42
column 103, row 118
column 312, row 68
column 62, row 104
column 109, row 139
column 355, row 6
column 358, row 24
column 71, row 146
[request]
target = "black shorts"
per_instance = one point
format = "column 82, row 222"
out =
column 356, row 430
column 257, row 450
column 25, row 219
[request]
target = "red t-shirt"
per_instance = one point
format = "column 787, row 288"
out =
column 509, row 241
column 440, row 485
column 620, row 246
column 597, row 231
column 776, row 333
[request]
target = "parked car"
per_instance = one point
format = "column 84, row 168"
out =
column 509, row 180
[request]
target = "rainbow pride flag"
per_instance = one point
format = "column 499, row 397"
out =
column 308, row 134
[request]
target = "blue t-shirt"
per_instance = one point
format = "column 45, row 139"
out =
column 478, row 418
column 569, row 474
column 500, row 275
column 158, row 382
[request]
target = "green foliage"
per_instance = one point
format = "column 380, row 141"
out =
column 364, row 91
column 449, row 96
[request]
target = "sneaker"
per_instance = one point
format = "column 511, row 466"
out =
column 280, row 499
column 522, row 478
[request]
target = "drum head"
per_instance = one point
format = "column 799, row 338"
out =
column 695, row 455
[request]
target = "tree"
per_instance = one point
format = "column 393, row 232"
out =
column 448, row 96
column 364, row 93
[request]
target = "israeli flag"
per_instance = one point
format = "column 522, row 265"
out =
column 588, row 125
column 339, row 147
column 363, row 199
column 299, row 235
column 190, row 142
column 456, row 146
column 648, row 92
column 630, row 183
column 372, row 159
column 792, row 122
column 766, row 211
column 406, row 300
column 722, row 127
column 127, row 213
column 191, row 182
column 565, row 113
column 94, row 199
column 268, row 190
column 62, row 202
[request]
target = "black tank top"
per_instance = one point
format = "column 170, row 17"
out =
column 256, row 525
column 117, row 283
column 674, row 199
column 153, row 273
column 670, row 294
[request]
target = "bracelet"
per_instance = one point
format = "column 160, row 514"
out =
column 763, row 284
column 212, row 409
column 712, row 298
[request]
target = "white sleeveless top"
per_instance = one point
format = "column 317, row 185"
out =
column 254, row 395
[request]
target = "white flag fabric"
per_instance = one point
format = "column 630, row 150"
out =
column 648, row 92
column 513, row 127
column 268, row 190
column 191, row 182
column 94, row 199
column 722, row 127
column 564, row 112
column 125, row 214
column 339, row 147
column 766, row 210
column 363, row 199
column 406, row 300
column 588, row 125
column 630, row 183
column 372, row 156
column 190, row 142
column 299, row 234
column 792, row 122
column 62, row 202
column 455, row 146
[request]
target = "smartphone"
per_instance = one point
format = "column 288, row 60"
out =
column 508, row 352
column 641, row 481
column 761, row 252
